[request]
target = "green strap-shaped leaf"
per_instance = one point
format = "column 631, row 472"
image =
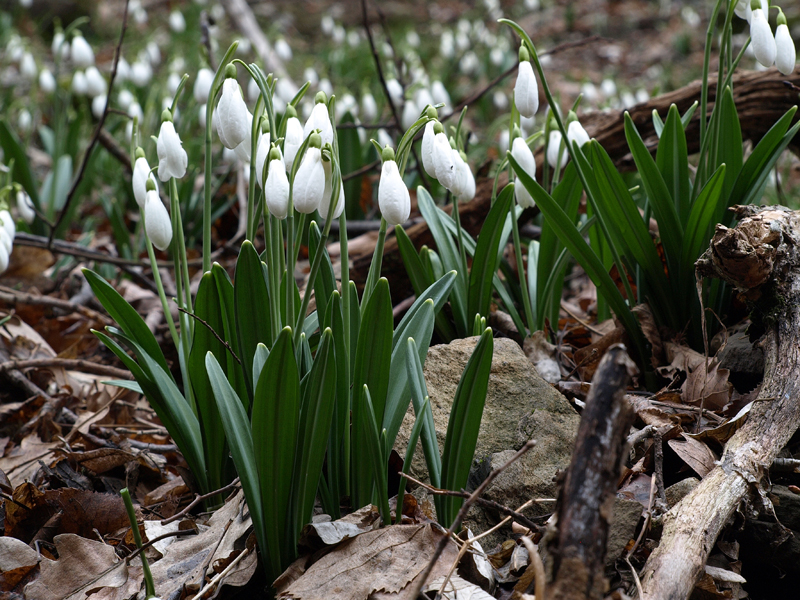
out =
column 729, row 150
column 325, row 282
column 419, row 393
column 339, row 443
column 375, row 458
column 673, row 163
column 702, row 218
column 229, row 334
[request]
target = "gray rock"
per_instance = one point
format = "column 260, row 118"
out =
column 520, row 406
column 622, row 527
column 740, row 355
column 678, row 491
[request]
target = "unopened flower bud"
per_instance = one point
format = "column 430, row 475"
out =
column 157, row 223
column 393, row 197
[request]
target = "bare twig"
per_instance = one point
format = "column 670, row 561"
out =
column 114, row 149
column 537, row 565
column 218, row 578
column 658, row 451
column 211, row 329
column 149, row 543
column 74, row 364
column 96, row 136
column 423, row 577
column 198, row 499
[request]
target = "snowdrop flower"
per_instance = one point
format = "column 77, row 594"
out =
column 523, row 155
column 286, row 90
column 14, row 49
column 785, row 55
column 410, row 114
column 576, row 133
column 95, row 83
column 443, row 157
column 319, row 119
column 141, row 175
column 25, row 208
column 762, row 40
column 427, row 149
column 503, row 142
column 608, row 88
column 81, row 52
column 309, row 182
column 27, row 67
column 462, row 41
column 439, row 93
column 253, row 91
column 232, row 113
column 469, row 63
column 369, row 108
column 642, row 96
column 500, row 100
column 327, row 194
column 395, row 90
column 496, row 56
column 262, row 152
column 526, row 90
column 202, row 85
column 447, row 44
column 346, row 105
column 24, row 120
column 172, row 158
column 393, row 197
column 283, row 50
column 339, row 35
column 79, row 85
column 173, row 81
column 60, row 48
column 311, row 76
column 244, row 149
column 464, row 182
column 176, row 21
column 293, row 139
column 123, row 70
column 3, row 254
column 8, row 226
column 47, row 82
column 157, row 223
column 153, row 53
column 276, row 188
column 124, row 99
column 553, row 147
column 99, row 106
column 423, row 98
column 327, row 24
column 141, row 73
column 135, row 111
column 412, row 38
column 353, row 39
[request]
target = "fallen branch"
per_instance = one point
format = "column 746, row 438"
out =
column 761, row 258
column 74, row 364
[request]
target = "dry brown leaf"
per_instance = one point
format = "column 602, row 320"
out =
column 695, row 454
column 17, row 559
column 20, row 462
column 543, row 356
column 708, row 385
column 385, row 560
column 457, row 589
column 725, row 431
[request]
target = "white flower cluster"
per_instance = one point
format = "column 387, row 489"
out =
column 768, row 49
column 7, row 232
column 445, row 163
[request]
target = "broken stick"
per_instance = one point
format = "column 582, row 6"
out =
column 760, row 257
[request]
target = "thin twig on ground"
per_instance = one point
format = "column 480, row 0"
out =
column 198, row 499
column 73, row 364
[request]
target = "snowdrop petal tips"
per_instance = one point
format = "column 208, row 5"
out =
column 762, row 40
column 526, row 90
column 232, row 115
column 309, row 183
column 276, row 190
column 157, row 223
column 785, row 55
column 172, row 158
column 393, row 197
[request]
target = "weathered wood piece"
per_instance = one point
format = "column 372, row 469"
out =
column 761, row 258
column 585, row 504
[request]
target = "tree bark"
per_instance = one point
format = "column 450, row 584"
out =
column 760, row 257
column 586, row 501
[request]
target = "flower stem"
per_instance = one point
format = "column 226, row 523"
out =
column 523, row 280
column 149, row 588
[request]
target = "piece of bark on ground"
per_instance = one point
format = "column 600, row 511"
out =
column 760, row 257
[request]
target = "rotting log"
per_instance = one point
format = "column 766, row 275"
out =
column 577, row 552
column 760, row 257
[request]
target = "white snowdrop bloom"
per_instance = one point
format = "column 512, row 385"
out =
column 369, row 108
column 3, row 255
column 201, row 115
column 232, row 115
column 346, row 105
column 410, row 114
column 327, row 195
column 690, row 17
column 327, row 24
column 393, row 197
column 339, row 35
column 129, row 130
column 319, row 119
column 325, row 86
column 283, row 50
column 785, row 53
column 608, row 88
column 79, row 85
column 141, row 173
column 173, row 81
column 496, row 56
column 353, row 38
column 523, row 155
column 177, row 65
column 462, row 41
column 427, row 149
column 47, row 83
column 124, row 99
column 8, row 225
column 461, row 182
column 176, row 21
column 439, row 93
column 742, row 9
column 526, row 90
column 628, row 100
column 292, row 141
column 141, row 74
column 576, row 133
column 469, row 63
column 762, row 40
column 384, row 138
column 500, row 100
column 262, row 152
column 157, row 223
column 309, row 183
column 395, row 91
column 447, row 47
column 123, row 70
column 276, row 188
column 25, row 208
column 553, row 147
column 386, row 50
column 244, row 149
column 244, row 46
column 253, row 91
column 24, row 120
column 229, row 156
column 172, row 158
column 95, row 83
column 412, row 38
column 311, row 76
column 81, row 52
column 99, row 106
column 153, row 53
column 443, row 160
column 60, row 47
column 423, row 98
column 642, row 96
column 590, row 92
column 503, row 142
column 139, row 15
column 6, row 245
column 135, row 111
column 28, row 68
column 14, row 49
column 285, row 89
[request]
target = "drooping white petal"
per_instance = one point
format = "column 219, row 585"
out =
column 7, row 222
column 262, row 152
column 393, row 197
column 326, row 196
column 202, row 85
column 523, row 155
column 369, row 109
column 526, row 90
column 232, row 115
column 576, row 133
column 141, row 172
column 763, row 42
column 292, row 141
column 785, row 53
column 25, row 207
column 95, row 82
column 443, row 160
column 319, row 119
column 172, row 158
column 3, row 255
column 427, row 149
column 553, row 147
column 309, row 183
column 410, row 114
column 276, row 190
column 157, row 223
column 81, row 52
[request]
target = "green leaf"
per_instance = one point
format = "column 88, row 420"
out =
column 702, row 219
column 259, row 360
column 276, row 408
column 368, row 431
column 126, row 316
column 486, row 258
column 438, row 292
column 350, row 159
column 463, row 427
column 728, row 146
column 419, row 395
column 227, row 304
column 413, row 438
column 13, row 150
column 325, row 282
column 672, row 160
column 339, row 442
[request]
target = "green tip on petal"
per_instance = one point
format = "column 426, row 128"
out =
column 230, row 71
column 315, row 140
column 321, row 98
column 274, row 154
column 387, row 154
column 139, row 152
column 166, row 115
column 431, row 112
column 150, row 185
column 524, row 55
column 438, row 128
